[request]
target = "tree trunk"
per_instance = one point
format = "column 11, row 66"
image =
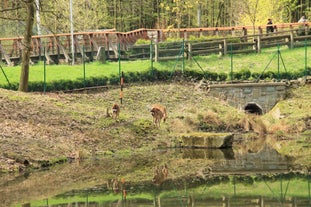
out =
column 23, row 83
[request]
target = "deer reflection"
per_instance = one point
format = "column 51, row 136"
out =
column 117, row 186
column 160, row 174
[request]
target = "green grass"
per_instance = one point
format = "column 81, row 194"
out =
column 268, row 60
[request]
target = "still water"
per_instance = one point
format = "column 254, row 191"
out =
column 214, row 178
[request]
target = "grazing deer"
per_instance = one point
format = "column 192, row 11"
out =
column 158, row 112
column 115, row 111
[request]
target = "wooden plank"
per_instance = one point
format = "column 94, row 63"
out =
column 202, row 52
column 305, row 37
column 241, row 51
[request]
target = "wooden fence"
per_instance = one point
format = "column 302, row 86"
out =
column 56, row 48
column 226, row 45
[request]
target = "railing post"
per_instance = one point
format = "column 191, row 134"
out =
column 232, row 32
column 216, row 32
column 185, row 36
column 245, row 33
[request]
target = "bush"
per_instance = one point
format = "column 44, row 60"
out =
column 114, row 80
column 222, row 76
column 268, row 75
column 164, row 75
column 255, row 75
column 245, row 74
column 131, row 77
column 236, row 75
column 36, row 86
column 97, row 81
column 213, row 76
column 146, row 76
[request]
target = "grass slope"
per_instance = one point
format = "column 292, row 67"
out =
column 47, row 128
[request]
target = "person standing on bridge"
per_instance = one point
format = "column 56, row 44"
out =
column 269, row 26
column 302, row 19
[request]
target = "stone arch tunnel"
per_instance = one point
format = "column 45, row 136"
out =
column 253, row 108
column 257, row 98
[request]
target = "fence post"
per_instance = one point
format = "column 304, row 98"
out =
column 306, row 29
column 189, row 50
column 291, row 35
column 225, row 47
column 151, row 55
column 156, row 52
column 231, row 63
column 259, row 40
column 83, row 61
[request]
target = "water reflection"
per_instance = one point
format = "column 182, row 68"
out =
column 223, row 191
column 219, row 178
column 214, row 154
column 266, row 159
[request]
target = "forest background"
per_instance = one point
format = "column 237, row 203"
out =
column 38, row 17
column 126, row 15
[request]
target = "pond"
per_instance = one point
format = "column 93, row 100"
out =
column 195, row 177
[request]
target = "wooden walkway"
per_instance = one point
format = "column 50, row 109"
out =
column 57, row 47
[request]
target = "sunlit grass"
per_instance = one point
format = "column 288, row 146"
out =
column 289, row 60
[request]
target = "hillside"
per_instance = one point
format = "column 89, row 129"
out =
column 42, row 129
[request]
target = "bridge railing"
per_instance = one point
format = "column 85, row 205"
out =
column 60, row 44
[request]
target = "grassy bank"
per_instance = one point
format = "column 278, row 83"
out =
column 41, row 130
column 55, row 127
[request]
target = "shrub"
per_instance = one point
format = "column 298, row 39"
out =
column 245, row 74
column 164, row 75
column 255, row 75
column 213, row 76
column 36, row 86
column 114, row 79
column 222, row 76
column 146, row 76
column 268, row 75
column 142, row 42
column 131, row 77
column 237, row 75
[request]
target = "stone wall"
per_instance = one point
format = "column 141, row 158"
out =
column 241, row 95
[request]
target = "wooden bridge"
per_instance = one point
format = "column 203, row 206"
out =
column 57, row 47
